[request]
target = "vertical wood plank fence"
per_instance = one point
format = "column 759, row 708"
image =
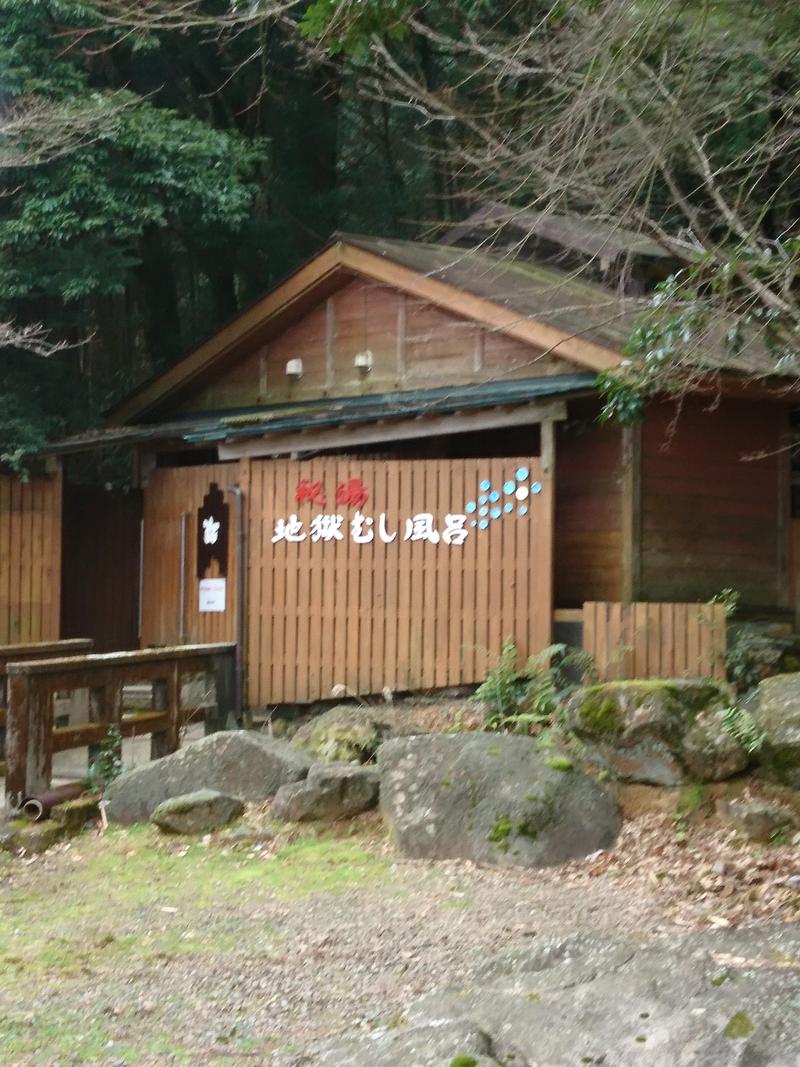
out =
column 659, row 640
column 409, row 614
column 30, row 559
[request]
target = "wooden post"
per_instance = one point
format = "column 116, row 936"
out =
column 631, row 513
column 30, row 740
column 217, row 717
column 545, row 555
column 167, row 697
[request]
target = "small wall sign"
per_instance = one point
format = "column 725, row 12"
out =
column 212, row 594
column 212, row 532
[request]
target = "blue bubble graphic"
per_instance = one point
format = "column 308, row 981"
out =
column 494, row 496
column 482, row 499
column 474, row 522
column 470, row 507
column 509, row 487
column 536, row 487
column 483, row 523
column 508, row 508
column 523, row 509
column 522, row 474
column 486, row 484
column 495, row 513
column 483, row 511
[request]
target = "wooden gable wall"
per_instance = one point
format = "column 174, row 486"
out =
column 413, row 343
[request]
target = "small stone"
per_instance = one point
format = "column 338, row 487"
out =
column 756, row 820
column 196, row 813
column 331, row 791
column 346, row 733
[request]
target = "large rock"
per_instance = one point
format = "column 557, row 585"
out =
column 492, row 799
column 331, row 791
column 757, row 820
column 238, row 763
column 760, row 650
column 345, row 734
column 662, row 732
column 427, row 1045
column 197, row 813
column 726, row 999
column 775, row 707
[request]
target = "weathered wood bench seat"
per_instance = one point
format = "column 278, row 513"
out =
column 32, row 738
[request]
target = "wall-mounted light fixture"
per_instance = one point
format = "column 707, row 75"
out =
column 294, row 369
column 364, row 361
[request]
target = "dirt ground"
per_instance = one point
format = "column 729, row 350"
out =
column 131, row 948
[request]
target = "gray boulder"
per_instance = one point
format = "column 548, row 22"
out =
column 775, row 707
column 492, row 799
column 724, row 999
column 432, row 1044
column 660, row 732
column 331, row 791
column 197, row 813
column 757, row 820
column 238, row 763
column 345, row 734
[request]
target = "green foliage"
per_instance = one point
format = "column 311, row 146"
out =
column 527, row 699
column 107, row 764
column 348, row 26
column 729, row 599
column 740, row 724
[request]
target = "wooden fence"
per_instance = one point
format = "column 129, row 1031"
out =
column 406, row 613
column 660, row 640
column 30, row 559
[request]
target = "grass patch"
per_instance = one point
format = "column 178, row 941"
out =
column 132, row 898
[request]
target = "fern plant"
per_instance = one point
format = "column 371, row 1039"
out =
column 740, row 724
column 521, row 700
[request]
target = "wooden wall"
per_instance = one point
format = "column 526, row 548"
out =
column 170, row 493
column 30, row 558
column 409, row 615
column 100, row 550
column 589, row 509
column 414, row 345
column 711, row 518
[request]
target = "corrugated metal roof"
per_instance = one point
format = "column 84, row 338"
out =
column 338, row 411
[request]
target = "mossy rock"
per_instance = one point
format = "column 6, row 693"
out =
column 775, row 707
column 658, row 731
column 345, row 734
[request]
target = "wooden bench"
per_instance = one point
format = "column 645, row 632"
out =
column 33, row 650
column 32, row 739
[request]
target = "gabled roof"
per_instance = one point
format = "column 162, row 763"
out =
column 547, row 308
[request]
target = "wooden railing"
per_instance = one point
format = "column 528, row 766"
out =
column 32, row 739
column 660, row 640
column 34, row 650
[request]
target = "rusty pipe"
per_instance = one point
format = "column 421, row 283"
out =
column 38, row 806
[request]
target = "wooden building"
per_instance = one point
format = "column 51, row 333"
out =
column 392, row 462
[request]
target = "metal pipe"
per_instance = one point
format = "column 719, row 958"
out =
column 38, row 807
column 182, row 582
column 238, row 698
column 141, row 580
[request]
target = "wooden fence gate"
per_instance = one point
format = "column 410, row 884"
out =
column 662, row 640
column 355, row 574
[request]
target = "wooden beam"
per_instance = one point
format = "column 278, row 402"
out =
column 388, row 432
column 631, row 444
column 546, row 551
column 478, row 309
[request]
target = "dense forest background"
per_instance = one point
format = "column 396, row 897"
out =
column 163, row 162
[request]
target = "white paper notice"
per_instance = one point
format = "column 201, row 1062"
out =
column 212, row 594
